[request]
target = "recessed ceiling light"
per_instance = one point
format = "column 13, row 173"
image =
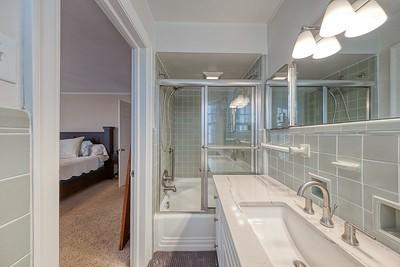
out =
column 279, row 78
column 212, row 75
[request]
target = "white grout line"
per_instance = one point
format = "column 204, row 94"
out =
column 21, row 259
column 15, row 220
column 14, row 128
column 15, row 134
column 14, row 177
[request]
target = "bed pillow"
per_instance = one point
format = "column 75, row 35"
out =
column 86, row 148
column 69, row 148
column 99, row 150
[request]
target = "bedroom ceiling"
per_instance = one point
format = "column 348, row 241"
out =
column 192, row 65
column 214, row 11
column 95, row 58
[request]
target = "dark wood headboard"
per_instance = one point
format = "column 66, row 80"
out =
column 106, row 138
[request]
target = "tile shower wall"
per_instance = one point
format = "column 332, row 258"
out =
column 187, row 132
column 375, row 145
column 15, row 189
column 355, row 98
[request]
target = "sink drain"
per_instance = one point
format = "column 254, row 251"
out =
column 298, row 263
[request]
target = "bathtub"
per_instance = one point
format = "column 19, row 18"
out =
column 187, row 196
column 180, row 225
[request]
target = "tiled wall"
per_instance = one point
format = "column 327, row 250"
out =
column 375, row 145
column 187, row 132
column 15, row 189
column 309, row 106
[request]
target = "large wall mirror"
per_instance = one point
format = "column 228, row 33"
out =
column 360, row 82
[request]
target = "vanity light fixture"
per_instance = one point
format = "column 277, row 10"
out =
column 305, row 44
column 318, row 47
column 340, row 16
column 369, row 15
column 337, row 17
column 326, row 47
column 212, row 75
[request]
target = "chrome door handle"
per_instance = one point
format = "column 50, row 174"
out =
column 120, row 149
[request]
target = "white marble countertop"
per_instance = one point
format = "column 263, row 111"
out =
column 234, row 189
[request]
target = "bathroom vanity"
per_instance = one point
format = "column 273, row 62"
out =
column 261, row 222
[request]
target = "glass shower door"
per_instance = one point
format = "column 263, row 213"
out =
column 180, row 149
column 229, row 134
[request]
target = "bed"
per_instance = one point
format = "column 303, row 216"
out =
column 77, row 174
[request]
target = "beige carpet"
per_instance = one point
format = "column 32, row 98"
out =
column 90, row 226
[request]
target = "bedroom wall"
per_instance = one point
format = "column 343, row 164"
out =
column 94, row 112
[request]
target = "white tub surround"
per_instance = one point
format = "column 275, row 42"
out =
column 184, row 232
column 233, row 190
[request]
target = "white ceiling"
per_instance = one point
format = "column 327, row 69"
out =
column 95, row 57
column 214, row 11
column 192, row 65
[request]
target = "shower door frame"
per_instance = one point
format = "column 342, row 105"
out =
column 256, row 86
column 324, row 85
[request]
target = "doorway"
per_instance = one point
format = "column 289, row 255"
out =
column 95, row 117
column 124, row 139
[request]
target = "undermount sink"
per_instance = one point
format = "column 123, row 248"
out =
column 290, row 240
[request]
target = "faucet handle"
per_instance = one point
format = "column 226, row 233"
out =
column 349, row 235
column 333, row 210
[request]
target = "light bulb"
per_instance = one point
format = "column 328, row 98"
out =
column 337, row 18
column 305, row 45
column 369, row 16
column 327, row 47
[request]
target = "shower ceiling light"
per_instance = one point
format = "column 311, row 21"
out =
column 326, row 47
column 305, row 45
column 279, row 78
column 239, row 102
column 369, row 16
column 337, row 18
column 212, row 75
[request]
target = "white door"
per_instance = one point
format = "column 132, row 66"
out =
column 124, row 139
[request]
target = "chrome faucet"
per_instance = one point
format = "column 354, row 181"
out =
column 327, row 213
column 168, row 187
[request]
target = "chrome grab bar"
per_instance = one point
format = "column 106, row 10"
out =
column 231, row 147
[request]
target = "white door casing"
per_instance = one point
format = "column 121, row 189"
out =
column 124, row 139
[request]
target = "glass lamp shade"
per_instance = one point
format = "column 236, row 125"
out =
column 369, row 16
column 305, row 45
column 337, row 18
column 326, row 47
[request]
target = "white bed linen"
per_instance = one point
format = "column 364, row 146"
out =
column 79, row 165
